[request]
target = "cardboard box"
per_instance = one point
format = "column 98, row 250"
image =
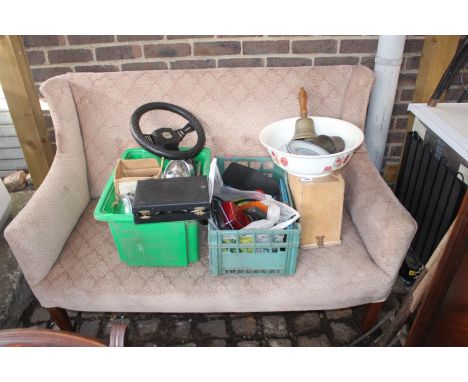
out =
column 129, row 171
column 320, row 203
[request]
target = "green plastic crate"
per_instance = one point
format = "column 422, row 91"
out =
column 171, row 244
column 255, row 252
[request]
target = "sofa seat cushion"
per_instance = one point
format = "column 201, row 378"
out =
column 89, row 276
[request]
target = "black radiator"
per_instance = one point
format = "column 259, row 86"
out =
column 430, row 191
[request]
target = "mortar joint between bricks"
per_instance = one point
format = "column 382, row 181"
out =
column 60, row 65
column 98, row 45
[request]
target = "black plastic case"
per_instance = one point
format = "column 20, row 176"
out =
column 173, row 199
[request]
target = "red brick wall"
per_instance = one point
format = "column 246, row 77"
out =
column 53, row 55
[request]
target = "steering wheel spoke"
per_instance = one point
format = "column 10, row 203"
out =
column 150, row 138
column 181, row 133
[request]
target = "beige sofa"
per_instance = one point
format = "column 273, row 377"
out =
column 69, row 259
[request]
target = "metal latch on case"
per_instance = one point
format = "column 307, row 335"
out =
column 199, row 211
column 145, row 214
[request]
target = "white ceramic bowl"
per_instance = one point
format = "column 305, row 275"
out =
column 277, row 134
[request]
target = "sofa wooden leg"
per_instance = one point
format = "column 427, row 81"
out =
column 60, row 317
column 370, row 315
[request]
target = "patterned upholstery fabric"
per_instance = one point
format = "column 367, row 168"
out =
column 233, row 105
column 76, row 266
column 90, row 274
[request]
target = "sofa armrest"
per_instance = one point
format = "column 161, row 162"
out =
column 39, row 232
column 384, row 225
column 37, row 235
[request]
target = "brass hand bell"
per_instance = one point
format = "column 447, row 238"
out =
column 304, row 125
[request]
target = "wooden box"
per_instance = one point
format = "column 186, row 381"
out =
column 320, row 203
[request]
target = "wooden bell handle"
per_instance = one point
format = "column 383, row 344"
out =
column 303, row 102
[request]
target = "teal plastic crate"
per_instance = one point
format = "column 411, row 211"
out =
column 255, row 252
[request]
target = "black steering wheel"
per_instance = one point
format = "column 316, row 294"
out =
column 165, row 141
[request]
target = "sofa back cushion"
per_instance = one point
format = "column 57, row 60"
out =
column 232, row 104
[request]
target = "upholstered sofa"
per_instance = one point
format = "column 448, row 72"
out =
column 70, row 261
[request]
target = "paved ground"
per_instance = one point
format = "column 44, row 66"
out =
column 319, row 328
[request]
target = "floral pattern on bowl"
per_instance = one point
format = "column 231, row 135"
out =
column 337, row 164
